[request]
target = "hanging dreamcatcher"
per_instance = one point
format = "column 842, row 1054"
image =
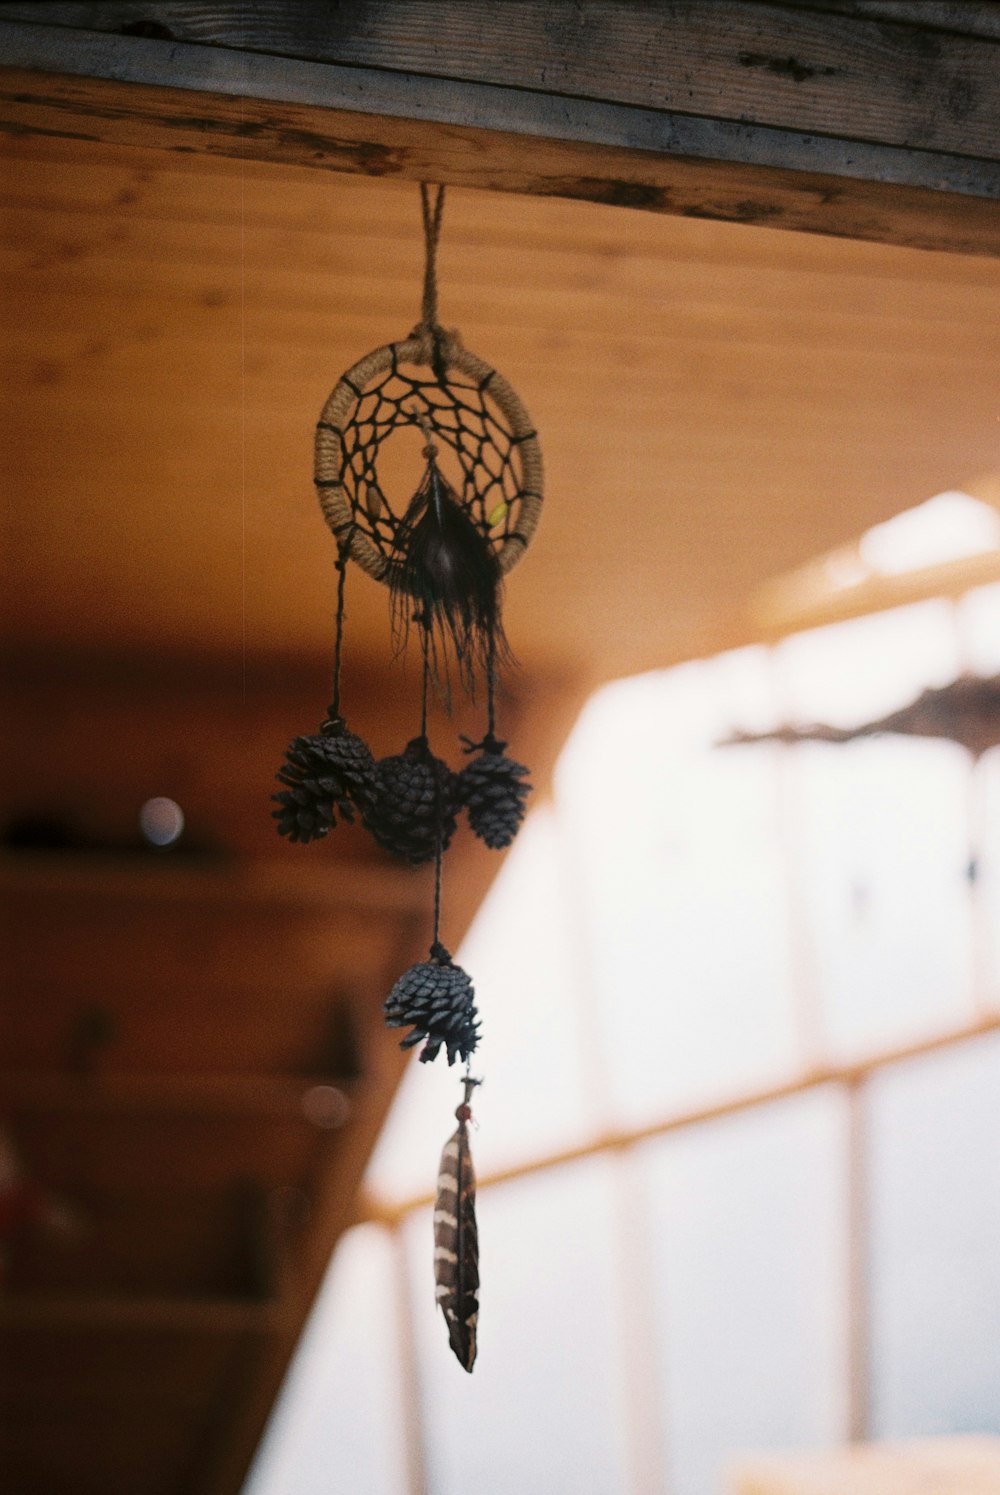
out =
column 470, row 506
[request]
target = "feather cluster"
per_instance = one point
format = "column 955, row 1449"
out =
column 456, row 1243
column 447, row 576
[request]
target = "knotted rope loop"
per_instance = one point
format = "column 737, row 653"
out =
column 429, row 328
column 432, row 233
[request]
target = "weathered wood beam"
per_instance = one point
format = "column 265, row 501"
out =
column 795, row 117
column 861, row 77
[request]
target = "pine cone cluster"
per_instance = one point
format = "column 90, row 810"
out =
column 494, row 792
column 414, row 804
column 327, row 774
column 436, row 999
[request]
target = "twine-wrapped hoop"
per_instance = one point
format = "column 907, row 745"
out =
column 478, row 415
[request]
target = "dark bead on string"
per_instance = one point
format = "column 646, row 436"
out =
column 415, row 804
column 327, row 774
column 436, row 999
column 494, row 791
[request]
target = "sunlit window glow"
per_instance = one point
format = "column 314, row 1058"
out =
column 681, row 948
column 947, row 527
column 845, row 568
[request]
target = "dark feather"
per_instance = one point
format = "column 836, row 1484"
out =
column 456, row 1244
column 447, row 576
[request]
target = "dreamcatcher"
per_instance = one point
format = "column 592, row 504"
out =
column 443, row 553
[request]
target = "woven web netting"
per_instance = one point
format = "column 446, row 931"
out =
column 485, row 465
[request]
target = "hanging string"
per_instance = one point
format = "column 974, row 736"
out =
column 437, row 949
column 432, row 233
column 489, row 743
column 343, row 551
column 428, row 314
column 491, row 671
column 425, row 644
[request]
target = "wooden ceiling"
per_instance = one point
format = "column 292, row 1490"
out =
column 717, row 402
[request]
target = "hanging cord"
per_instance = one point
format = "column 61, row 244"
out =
column 490, row 743
column 343, row 552
column 464, row 1112
column 428, row 312
column 425, row 644
column 432, row 233
column 438, row 951
column 491, row 681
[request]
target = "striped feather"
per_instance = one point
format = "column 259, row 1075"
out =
column 456, row 1245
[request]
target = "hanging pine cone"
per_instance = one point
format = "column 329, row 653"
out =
column 327, row 773
column 415, row 801
column 436, row 998
column 493, row 790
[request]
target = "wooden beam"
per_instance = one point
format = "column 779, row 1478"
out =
column 851, row 125
column 850, row 1074
column 743, row 61
column 809, row 599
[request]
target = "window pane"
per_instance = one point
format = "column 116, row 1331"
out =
column 856, row 672
column 935, row 1243
column 336, row 1427
column 979, row 623
column 881, row 827
column 543, row 1410
column 680, row 879
column 987, row 848
column 750, row 1262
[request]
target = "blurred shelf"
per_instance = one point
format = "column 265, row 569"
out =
column 359, row 885
column 264, row 1097
column 184, row 1315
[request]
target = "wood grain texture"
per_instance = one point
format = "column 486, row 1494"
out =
column 174, row 322
column 963, row 17
column 848, row 75
column 481, row 106
column 686, row 131
column 950, row 206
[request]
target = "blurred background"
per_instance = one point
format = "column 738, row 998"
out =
column 739, row 1132
column 739, row 1139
